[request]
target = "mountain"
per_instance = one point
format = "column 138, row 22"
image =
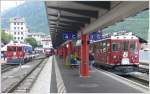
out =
column 138, row 24
column 34, row 14
column 36, row 19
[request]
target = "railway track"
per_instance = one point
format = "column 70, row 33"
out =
column 23, row 83
column 5, row 67
column 138, row 80
column 144, row 68
column 128, row 76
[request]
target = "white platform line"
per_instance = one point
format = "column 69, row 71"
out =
column 60, row 84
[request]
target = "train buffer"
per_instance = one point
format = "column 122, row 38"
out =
column 61, row 79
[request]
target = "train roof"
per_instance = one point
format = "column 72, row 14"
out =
column 18, row 44
column 118, row 37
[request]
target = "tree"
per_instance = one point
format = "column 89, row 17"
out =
column 5, row 37
column 31, row 41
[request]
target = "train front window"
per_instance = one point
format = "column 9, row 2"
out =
column 19, row 48
column 115, row 46
column 11, row 48
column 132, row 46
column 125, row 46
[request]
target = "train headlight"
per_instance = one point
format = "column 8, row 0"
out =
column 114, row 57
column 14, row 54
column 136, row 56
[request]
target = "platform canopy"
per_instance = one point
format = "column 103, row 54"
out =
column 87, row 16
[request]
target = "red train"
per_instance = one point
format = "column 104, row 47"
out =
column 119, row 51
column 48, row 52
column 18, row 53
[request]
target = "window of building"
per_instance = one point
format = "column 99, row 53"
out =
column 14, row 23
column 18, row 33
column 22, row 33
column 14, row 37
column 18, row 37
column 14, row 27
column 18, row 23
column 15, row 33
column 21, row 37
column 18, row 28
column 21, row 28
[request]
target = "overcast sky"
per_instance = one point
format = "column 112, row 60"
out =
column 5, row 5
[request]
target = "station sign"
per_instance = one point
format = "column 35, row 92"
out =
column 69, row 36
column 95, row 36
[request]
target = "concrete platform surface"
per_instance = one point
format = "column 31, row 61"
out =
column 66, row 79
column 42, row 84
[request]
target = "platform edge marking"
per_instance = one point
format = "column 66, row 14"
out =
column 50, row 59
column 60, row 84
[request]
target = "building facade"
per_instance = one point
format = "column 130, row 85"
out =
column 37, row 36
column 46, row 42
column 18, row 29
column 42, row 39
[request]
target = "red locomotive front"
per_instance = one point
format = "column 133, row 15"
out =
column 119, row 51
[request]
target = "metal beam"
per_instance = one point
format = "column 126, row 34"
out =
column 118, row 13
column 88, row 13
column 98, row 4
column 66, row 26
column 63, row 28
column 79, row 19
column 68, row 22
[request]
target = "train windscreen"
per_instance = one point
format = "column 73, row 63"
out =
column 115, row 46
column 125, row 46
column 133, row 46
column 11, row 48
column 14, row 48
column 19, row 48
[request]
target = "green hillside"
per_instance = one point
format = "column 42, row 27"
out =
column 34, row 14
column 139, row 25
column 36, row 19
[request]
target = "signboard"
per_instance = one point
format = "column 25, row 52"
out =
column 95, row 36
column 69, row 36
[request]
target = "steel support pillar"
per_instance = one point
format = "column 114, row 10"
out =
column 65, row 53
column 69, row 52
column 84, row 65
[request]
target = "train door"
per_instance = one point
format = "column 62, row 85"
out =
column 108, row 51
column 115, row 52
column 104, row 56
column 97, row 54
column 10, row 52
column 125, row 52
column 20, row 53
column 134, row 51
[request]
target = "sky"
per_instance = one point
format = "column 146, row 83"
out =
column 5, row 5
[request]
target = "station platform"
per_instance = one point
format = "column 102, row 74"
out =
column 58, row 78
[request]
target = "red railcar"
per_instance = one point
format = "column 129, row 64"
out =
column 18, row 53
column 48, row 52
column 118, row 51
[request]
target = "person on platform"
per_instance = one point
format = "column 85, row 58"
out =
column 91, row 60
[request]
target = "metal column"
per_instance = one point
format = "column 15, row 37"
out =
column 84, row 65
